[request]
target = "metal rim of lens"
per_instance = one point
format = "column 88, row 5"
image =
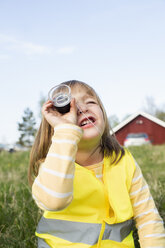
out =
column 57, row 86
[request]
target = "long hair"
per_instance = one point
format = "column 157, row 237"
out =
column 109, row 145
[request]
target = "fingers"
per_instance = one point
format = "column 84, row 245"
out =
column 54, row 117
column 47, row 105
column 49, row 113
column 47, row 108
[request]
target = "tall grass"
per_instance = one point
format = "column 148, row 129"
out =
column 18, row 213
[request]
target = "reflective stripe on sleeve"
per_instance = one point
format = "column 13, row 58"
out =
column 80, row 232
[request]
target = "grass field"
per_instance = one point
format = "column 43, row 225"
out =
column 19, row 214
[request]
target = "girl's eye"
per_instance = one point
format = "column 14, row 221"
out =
column 91, row 102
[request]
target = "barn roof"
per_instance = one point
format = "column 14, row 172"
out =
column 133, row 116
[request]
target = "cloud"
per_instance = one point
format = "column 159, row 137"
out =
column 31, row 48
column 12, row 44
column 4, row 57
column 66, row 50
column 6, row 39
column 27, row 48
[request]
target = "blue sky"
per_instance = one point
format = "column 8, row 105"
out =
column 115, row 46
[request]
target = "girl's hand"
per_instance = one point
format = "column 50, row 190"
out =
column 54, row 118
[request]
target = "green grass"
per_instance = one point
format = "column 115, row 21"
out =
column 18, row 213
column 151, row 159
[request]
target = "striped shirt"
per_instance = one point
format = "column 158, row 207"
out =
column 59, row 167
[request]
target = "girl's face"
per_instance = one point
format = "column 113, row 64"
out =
column 88, row 108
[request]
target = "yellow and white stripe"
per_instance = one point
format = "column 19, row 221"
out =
column 148, row 222
column 53, row 187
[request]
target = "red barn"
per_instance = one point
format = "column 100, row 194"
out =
column 141, row 122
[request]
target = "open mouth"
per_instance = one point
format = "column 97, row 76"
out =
column 87, row 121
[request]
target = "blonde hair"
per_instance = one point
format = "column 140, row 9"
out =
column 109, row 146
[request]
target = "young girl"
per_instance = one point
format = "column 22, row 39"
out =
column 89, row 187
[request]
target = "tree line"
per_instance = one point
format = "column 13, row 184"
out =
column 27, row 126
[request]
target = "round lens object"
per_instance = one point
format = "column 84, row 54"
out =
column 61, row 97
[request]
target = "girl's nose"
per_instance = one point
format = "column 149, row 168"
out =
column 81, row 108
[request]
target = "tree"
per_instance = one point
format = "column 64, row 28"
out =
column 150, row 106
column 160, row 114
column 27, row 129
column 113, row 120
column 153, row 109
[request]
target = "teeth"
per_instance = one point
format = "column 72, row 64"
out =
column 85, row 122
